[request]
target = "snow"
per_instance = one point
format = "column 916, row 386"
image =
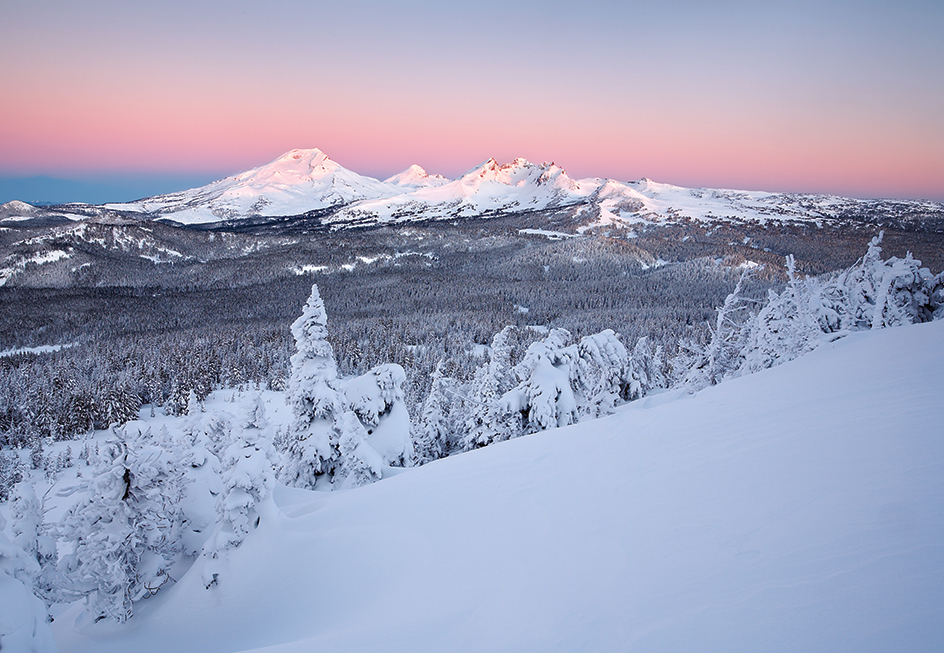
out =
column 16, row 263
column 799, row 508
column 41, row 349
column 305, row 180
column 550, row 235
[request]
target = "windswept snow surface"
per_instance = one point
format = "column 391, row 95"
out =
column 797, row 509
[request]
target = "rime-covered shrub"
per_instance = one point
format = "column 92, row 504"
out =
column 544, row 396
column 23, row 617
column 377, row 399
column 123, row 534
column 248, row 481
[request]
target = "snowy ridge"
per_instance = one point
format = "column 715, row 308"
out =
column 307, row 180
column 797, row 508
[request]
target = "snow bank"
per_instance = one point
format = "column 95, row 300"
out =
column 799, row 508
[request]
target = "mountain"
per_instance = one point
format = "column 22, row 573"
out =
column 416, row 177
column 308, row 182
column 297, row 182
column 798, row 508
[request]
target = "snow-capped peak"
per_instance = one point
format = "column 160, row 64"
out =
column 416, row 177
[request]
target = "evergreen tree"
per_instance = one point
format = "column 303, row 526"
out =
column 315, row 397
column 486, row 419
column 377, row 399
column 601, row 364
column 545, row 397
column 434, row 437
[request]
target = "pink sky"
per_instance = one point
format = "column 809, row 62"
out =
column 814, row 97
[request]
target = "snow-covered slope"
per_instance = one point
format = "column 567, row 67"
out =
column 296, row 182
column 800, row 508
column 307, row 180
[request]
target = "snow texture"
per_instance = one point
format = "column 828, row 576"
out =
column 798, row 508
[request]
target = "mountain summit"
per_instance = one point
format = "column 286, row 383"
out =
column 297, row 182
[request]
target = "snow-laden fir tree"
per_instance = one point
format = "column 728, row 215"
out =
column 201, row 494
column 645, row 371
column 360, row 463
column 788, row 325
column 377, row 399
column 601, row 365
column 248, row 482
column 485, row 419
column 545, row 396
column 23, row 617
column 316, row 400
column 124, row 532
column 699, row 366
column 434, row 439
column 887, row 293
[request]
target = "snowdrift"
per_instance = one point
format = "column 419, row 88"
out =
column 799, row 508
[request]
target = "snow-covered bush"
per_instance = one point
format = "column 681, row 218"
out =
column 123, row 534
column 377, row 399
column 360, row 462
column 23, row 617
column 248, row 482
column 544, row 397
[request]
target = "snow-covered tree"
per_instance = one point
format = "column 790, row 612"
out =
column 545, row 396
column 201, row 494
column 377, row 399
column 435, row 433
column 601, row 364
column 645, row 371
column 23, row 617
column 124, row 531
column 486, row 419
column 248, row 481
column 315, row 397
column 360, row 463
column 698, row 366
column 31, row 535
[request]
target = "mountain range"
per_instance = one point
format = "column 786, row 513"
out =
column 308, row 182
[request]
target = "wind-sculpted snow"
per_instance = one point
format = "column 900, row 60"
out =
column 794, row 509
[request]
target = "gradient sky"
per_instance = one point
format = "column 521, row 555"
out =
column 820, row 96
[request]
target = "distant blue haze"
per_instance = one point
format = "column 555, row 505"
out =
column 40, row 190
